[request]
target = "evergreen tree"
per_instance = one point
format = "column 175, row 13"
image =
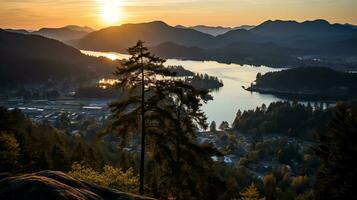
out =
column 138, row 77
column 337, row 151
column 237, row 119
column 171, row 111
column 259, row 75
column 224, row 125
column 251, row 193
column 212, row 126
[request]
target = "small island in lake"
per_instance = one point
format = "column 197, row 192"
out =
column 308, row 83
column 180, row 71
column 205, row 82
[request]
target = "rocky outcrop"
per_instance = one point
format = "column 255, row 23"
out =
column 54, row 185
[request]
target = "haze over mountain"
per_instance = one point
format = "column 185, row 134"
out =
column 80, row 28
column 64, row 34
column 39, row 59
column 215, row 30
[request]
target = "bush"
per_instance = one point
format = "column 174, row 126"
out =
column 110, row 176
column 9, row 152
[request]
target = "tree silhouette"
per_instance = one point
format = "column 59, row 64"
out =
column 212, row 126
column 138, row 78
column 170, row 114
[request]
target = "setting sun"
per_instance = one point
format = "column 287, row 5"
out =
column 111, row 11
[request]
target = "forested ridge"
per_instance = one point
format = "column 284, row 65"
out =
column 308, row 82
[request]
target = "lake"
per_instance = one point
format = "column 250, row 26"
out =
column 231, row 97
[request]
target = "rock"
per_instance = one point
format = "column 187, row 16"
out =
column 55, row 185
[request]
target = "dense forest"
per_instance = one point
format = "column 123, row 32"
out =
column 309, row 82
column 34, row 147
column 286, row 118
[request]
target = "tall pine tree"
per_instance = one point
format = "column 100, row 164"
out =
column 170, row 115
column 138, row 78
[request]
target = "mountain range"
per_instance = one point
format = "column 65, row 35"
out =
column 272, row 43
column 64, row 34
column 289, row 42
column 215, row 30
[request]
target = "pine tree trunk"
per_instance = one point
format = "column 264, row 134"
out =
column 178, row 153
column 142, row 158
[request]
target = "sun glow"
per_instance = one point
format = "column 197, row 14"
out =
column 111, row 11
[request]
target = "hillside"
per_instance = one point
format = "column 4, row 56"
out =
column 313, row 82
column 173, row 50
column 57, row 185
column 33, row 46
column 242, row 53
column 35, row 59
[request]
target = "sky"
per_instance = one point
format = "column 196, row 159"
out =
column 34, row 14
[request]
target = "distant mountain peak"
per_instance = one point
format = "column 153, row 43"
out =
column 64, row 34
column 320, row 22
column 317, row 21
column 180, row 26
column 151, row 23
column 156, row 23
column 80, row 28
column 277, row 22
